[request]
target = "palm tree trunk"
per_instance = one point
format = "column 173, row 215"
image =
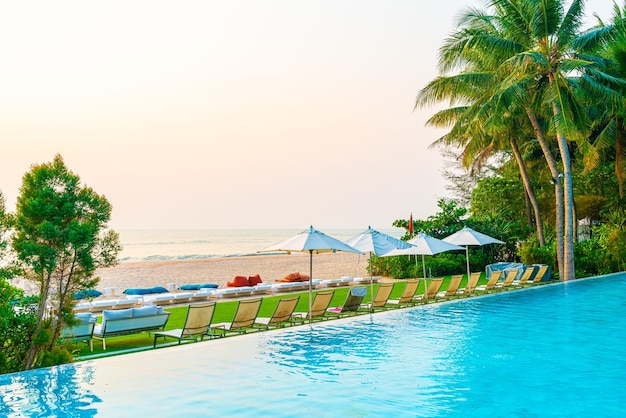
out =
column 558, row 188
column 620, row 152
column 568, row 203
column 530, row 193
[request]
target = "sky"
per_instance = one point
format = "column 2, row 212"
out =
column 230, row 114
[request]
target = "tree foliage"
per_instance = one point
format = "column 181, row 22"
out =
column 59, row 239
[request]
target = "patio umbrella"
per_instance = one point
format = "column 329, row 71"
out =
column 467, row 236
column 423, row 245
column 377, row 243
column 312, row 241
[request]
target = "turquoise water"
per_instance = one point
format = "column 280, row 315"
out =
column 552, row 351
column 193, row 244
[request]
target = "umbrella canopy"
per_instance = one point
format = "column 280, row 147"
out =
column 467, row 236
column 312, row 241
column 423, row 245
column 375, row 242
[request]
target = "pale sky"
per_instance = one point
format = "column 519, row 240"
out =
column 229, row 114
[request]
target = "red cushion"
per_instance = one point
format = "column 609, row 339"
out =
column 254, row 280
column 304, row 278
column 240, row 281
column 292, row 277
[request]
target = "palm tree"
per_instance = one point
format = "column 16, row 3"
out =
column 533, row 46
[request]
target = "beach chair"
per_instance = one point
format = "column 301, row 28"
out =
column 452, row 289
column 281, row 316
column 320, row 303
column 407, row 295
column 381, row 298
column 508, row 280
column 197, row 325
column 471, row 285
column 352, row 303
column 491, row 284
column 431, row 292
column 540, row 274
column 245, row 315
column 528, row 272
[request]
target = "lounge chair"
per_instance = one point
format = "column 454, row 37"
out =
column 352, row 303
column 540, row 274
column 471, row 285
column 197, row 324
column 320, row 303
column 491, row 284
column 247, row 311
column 453, row 287
column 508, row 280
column 528, row 272
column 431, row 292
column 281, row 316
column 407, row 295
column 381, row 298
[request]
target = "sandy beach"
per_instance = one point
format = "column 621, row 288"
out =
column 221, row 270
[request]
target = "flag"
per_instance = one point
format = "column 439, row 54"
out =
column 411, row 224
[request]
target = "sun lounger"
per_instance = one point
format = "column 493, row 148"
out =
column 197, row 325
column 491, row 284
column 452, row 289
column 352, row 303
column 431, row 292
column 321, row 301
column 281, row 316
column 202, row 295
column 366, row 280
column 290, row 287
column 471, row 285
column 381, row 298
column 262, row 288
column 247, row 311
column 130, row 321
column 528, row 272
column 234, row 292
column 407, row 294
column 342, row 281
column 508, row 280
column 540, row 274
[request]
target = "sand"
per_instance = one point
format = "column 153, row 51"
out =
column 221, row 270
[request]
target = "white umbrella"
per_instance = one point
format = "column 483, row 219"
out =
column 312, row 241
column 467, row 236
column 423, row 245
column 377, row 243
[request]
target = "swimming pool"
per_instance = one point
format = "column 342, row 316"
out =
column 556, row 350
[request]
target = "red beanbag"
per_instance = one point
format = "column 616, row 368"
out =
column 239, row 281
column 254, row 280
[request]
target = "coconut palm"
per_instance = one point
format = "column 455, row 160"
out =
column 531, row 48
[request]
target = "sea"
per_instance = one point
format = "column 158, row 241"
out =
column 145, row 245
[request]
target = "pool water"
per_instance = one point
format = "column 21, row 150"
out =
column 556, row 350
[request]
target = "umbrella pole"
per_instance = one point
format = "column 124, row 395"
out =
column 424, row 266
column 467, row 258
column 371, row 284
column 310, row 284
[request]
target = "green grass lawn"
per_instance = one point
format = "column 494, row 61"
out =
column 225, row 312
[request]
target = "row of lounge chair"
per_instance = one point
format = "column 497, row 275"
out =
column 198, row 324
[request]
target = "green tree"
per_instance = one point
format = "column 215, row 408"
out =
column 59, row 238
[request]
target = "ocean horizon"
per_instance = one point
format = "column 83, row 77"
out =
column 183, row 244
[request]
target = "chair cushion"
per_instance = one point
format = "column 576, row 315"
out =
column 144, row 311
column 87, row 293
column 145, row 291
column 117, row 314
column 84, row 317
column 198, row 286
column 254, row 280
column 239, row 281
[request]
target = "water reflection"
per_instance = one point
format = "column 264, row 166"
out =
column 57, row 391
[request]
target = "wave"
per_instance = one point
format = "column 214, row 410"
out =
column 192, row 257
